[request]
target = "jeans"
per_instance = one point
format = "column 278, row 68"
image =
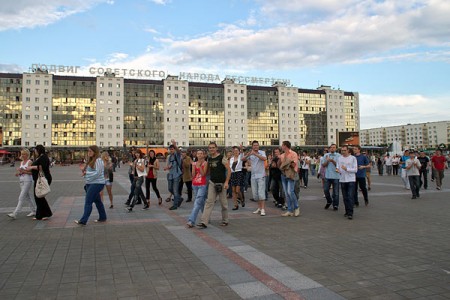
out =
column 389, row 170
column 305, row 176
column 138, row 193
column 405, row 178
column 93, row 196
column 275, row 188
column 26, row 195
column 414, row 183
column 147, row 187
column 199, row 202
column 174, row 185
column 361, row 182
column 423, row 174
column 348, row 189
column 289, row 191
column 326, row 189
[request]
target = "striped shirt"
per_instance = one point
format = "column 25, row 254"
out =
column 96, row 175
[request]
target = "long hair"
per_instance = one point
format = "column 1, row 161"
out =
column 40, row 150
column 91, row 162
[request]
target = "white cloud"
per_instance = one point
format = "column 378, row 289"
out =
column 32, row 13
column 348, row 31
column 11, row 68
column 391, row 110
column 151, row 30
column 161, row 2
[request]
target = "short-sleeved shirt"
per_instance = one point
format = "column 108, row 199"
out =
column 362, row 160
column 175, row 162
column 439, row 162
column 330, row 171
column 258, row 169
column 423, row 162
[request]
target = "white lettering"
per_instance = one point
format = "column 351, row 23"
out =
column 132, row 72
column 92, row 70
column 139, row 73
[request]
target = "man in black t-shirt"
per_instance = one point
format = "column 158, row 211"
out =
column 424, row 166
column 219, row 172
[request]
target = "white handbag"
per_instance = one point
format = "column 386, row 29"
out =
column 42, row 187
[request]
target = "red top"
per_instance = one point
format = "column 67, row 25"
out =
column 150, row 173
column 198, row 178
column 439, row 162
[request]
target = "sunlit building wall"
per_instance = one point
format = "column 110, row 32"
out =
column 263, row 115
column 312, row 117
column 206, row 114
column 235, row 106
column 110, row 104
column 11, row 109
column 37, row 109
column 73, row 111
column 143, row 112
column 288, row 127
column 176, row 104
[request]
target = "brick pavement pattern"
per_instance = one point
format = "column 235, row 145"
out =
column 395, row 248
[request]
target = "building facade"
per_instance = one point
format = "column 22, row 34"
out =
column 110, row 111
column 411, row 136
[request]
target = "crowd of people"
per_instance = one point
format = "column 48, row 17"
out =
column 211, row 175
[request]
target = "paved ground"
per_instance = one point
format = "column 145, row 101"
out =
column 395, row 248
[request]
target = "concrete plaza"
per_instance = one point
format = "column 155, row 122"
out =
column 394, row 248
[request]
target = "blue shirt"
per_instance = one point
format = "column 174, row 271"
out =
column 258, row 170
column 95, row 176
column 175, row 166
column 362, row 161
column 330, row 171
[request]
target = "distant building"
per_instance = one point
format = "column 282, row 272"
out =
column 73, row 112
column 411, row 136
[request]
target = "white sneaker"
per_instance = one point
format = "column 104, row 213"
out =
column 297, row 212
column 257, row 211
column 12, row 216
column 31, row 214
column 263, row 212
column 287, row 214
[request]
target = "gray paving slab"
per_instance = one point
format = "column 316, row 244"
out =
column 395, row 248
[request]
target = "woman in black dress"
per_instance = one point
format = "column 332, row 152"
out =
column 41, row 162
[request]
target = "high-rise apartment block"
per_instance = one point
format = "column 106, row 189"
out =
column 110, row 111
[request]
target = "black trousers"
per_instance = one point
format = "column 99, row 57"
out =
column 147, row 187
column 188, row 186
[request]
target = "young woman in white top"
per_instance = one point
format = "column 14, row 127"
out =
column 139, row 175
column 26, row 184
column 237, row 177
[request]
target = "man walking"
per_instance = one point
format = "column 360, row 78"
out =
column 438, row 164
column 258, row 177
column 424, row 167
column 412, row 168
column 219, row 172
column 174, row 175
column 305, row 165
column 347, row 166
column 329, row 162
column 403, row 160
column 363, row 165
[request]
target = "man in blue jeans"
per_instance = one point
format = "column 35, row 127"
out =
column 329, row 162
column 174, row 175
column 363, row 165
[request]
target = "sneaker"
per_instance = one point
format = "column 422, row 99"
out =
column 257, row 211
column 263, row 212
column 80, row 223
column 173, row 207
column 129, row 209
column 327, row 205
column 31, row 214
column 12, row 216
column 350, row 217
column 297, row 212
column 284, row 207
column 287, row 214
column 438, row 188
column 145, row 207
column 202, row 226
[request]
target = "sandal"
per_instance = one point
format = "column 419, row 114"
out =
column 159, row 201
column 224, row 224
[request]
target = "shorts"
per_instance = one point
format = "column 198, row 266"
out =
column 259, row 188
column 108, row 182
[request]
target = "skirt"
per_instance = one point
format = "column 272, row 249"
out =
column 237, row 178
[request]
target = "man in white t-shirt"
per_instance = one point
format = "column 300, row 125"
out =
column 388, row 164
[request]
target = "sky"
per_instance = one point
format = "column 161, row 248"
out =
column 394, row 53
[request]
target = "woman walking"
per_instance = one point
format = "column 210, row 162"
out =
column 109, row 177
column 41, row 164
column 93, row 173
column 26, row 183
column 139, row 174
column 153, row 167
column 199, row 185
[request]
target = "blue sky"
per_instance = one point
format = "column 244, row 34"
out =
column 395, row 53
